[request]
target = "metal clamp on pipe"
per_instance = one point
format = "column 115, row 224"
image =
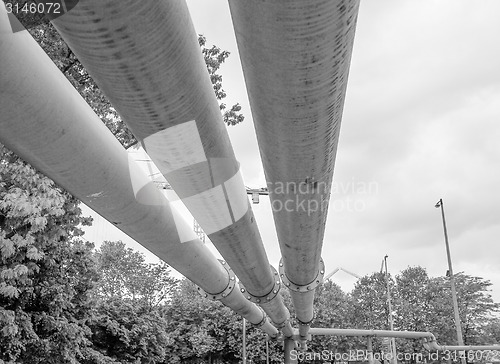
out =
column 229, row 288
column 306, row 287
column 268, row 297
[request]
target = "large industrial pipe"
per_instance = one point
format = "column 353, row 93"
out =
column 433, row 345
column 47, row 123
column 371, row 333
column 296, row 56
column 145, row 57
column 429, row 340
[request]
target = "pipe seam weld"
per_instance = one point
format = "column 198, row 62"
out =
column 263, row 321
column 306, row 287
column 267, row 297
column 281, row 325
column 305, row 323
column 229, row 288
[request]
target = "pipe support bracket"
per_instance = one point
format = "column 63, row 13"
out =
column 306, row 287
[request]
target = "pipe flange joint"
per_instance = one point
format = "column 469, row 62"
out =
column 229, row 288
column 305, row 323
column 268, row 297
column 306, row 287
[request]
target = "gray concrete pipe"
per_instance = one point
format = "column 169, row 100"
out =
column 296, row 56
column 46, row 122
column 145, row 57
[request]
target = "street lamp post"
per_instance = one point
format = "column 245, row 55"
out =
column 458, row 325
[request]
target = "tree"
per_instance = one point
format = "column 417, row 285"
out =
column 127, row 324
column 414, row 307
column 125, row 275
column 205, row 331
column 331, row 308
column 370, row 302
column 55, row 47
column 475, row 304
column 46, row 271
column 491, row 332
column 126, row 332
column 476, row 307
column 214, row 58
column 369, row 305
column 425, row 304
column 190, row 326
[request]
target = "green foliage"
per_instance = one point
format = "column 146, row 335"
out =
column 214, row 58
column 126, row 275
column 126, row 332
column 332, row 307
column 200, row 327
column 414, row 299
column 46, row 272
column 370, row 302
column 127, row 324
column 206, row 331
column 491, row 332
column 476, row 309
column 475, row 306
column 66, row 61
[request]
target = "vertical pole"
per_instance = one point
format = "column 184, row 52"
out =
column 267, row 350
column 389, row 304
column 458, row 325
column 369, row 350
column 244, row 349
column 289, row 346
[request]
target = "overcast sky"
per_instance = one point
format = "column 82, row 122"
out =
column 421, row 122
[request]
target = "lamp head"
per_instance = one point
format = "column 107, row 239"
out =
column 438, row 204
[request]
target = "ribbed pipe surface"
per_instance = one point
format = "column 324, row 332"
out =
column 296, row 56
column 145, row 57
column 46, row 122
